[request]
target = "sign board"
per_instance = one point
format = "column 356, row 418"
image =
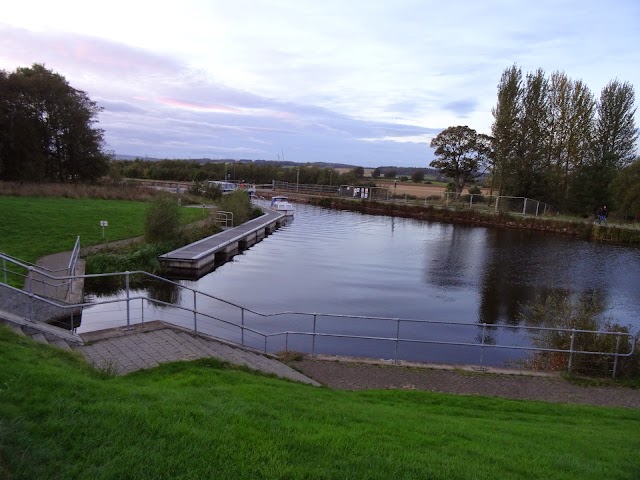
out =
column 104, row 223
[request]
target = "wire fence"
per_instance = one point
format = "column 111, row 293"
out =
column 451, row 200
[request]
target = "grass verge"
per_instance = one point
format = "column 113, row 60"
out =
column 37, row 226
column 60, row 419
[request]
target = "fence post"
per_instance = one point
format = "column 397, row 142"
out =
column 573, row 334
column 537, row 208
column 397, row 337
column 126, row 283
column 242, row 323
column 471, row 201
column 195, row 313
column 615, row 359
column 31, row 294
column 313, row 342
column 497, row 201
column 484, row 329
column 524, row 208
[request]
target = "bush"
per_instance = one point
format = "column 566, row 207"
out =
column 162, row 221
column 558, row 309
column 238, row 203
column 475, row 190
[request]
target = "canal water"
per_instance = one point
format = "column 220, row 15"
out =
column 344, row 263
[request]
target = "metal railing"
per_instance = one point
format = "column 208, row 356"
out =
column 224, row 217
column 241, row 325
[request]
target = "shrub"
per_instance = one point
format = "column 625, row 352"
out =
column 475, row 190
column 239, row 203
column 558, row 309
column 162, row 220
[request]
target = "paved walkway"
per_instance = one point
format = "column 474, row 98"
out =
column 350, row 375
column 153, row 343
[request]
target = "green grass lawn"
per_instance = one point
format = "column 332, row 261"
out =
column 37, row 226
column 198, row 420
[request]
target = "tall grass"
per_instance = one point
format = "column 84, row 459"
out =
column 61, row 420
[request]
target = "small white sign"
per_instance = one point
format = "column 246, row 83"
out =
column 104, row 223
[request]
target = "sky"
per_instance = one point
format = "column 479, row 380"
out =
column 362, row 82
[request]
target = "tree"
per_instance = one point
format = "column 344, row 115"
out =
column 376, row 173
column 358, row 172
column 625, row 189
column 462, row 153
column 616, row 132
column 47, row 128
column 418, row 176
column 390, row 174
column 506, row 128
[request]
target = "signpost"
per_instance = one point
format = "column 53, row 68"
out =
column 103, row 223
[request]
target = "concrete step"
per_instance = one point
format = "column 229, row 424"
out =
column 60, row 344
column 39, row 337
column 16, row 329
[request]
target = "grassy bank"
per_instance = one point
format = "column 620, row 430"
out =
column 59, row 419
column 37, row 226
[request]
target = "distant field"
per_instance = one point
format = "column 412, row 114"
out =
column 37, row 226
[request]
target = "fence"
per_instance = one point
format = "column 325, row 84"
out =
column 489, row 203
column 393, row 338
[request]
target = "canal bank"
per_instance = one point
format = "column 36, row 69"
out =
column 610, row 234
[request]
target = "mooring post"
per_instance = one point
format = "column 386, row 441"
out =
column 573, row 334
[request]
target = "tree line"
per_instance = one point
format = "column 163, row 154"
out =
column 551, row 140
column 47, row 129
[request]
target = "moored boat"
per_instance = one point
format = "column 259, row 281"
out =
column 282, row 205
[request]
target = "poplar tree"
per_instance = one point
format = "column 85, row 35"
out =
column 616, row 133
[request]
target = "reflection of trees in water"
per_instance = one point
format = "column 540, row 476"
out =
column 515, row 275
column 116, row 286
column 451, row 258
column 164, row 292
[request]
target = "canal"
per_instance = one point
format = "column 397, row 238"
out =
column 334, row 262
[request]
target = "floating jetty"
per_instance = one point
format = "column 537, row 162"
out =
column 200, row 256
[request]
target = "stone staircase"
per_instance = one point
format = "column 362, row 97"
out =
column 148, row 345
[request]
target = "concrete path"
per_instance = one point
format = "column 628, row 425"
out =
column 153, row 343
column 356, row 375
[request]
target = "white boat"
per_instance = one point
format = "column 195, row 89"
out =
column 282, row 205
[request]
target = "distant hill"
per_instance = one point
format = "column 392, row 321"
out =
column 408, row 171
